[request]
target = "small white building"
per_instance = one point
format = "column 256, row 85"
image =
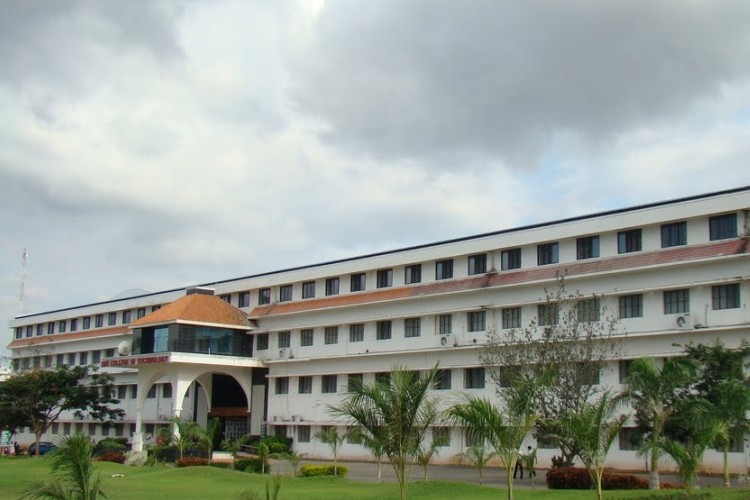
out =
column 268, row 353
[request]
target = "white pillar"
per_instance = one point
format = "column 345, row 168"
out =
column 138, row 435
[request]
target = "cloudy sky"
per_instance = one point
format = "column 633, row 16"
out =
column 155, row 144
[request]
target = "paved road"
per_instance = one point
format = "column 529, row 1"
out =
column 367, row 472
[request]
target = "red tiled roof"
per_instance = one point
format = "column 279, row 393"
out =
column 196, row 308
column 64, row 337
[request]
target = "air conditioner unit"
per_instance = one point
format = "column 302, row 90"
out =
column 294, row 418
column 445, row 340
column 282, row 353
column 682, row 321
column 275, row 418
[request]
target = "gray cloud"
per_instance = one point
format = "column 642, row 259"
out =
column 450, row 81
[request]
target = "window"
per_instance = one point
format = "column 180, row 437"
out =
column 331, row 335
column 474, row 378
column 510, row 259
column 587, row 247
column 354, row 381
column 261, row 341
column 280, row 431
column 385, row 278
column 308, row 289
column 19, row 332
column 306, row 337
column 441, row 436
column 83, row 358
column 548, row 253
column 86, row 325
column 243, row 299
column 264, row 296
column 285, row 293
column 285, row 339
column 73, row 324
column 676, row 301
column 674, row 234
column 166, row 390
column 304, row 385
column 444, row 269
column 353, row 435
column 587, row 373
column 383, row 330
column 61, row 325
column 477, row 263
column 722, row 227
column 725, row 296
column 303, row 433
column 161, row 339
column 445, row 324
column 96, row 357
column 588, row 310
column 151, row 393
column 111, row 319
column 109, row 353
column 630, row 438
column 226, row 298
column 383, row 378
column 329, row 384
column 50, row 328
column 126, row 315
column 29, row 331
column 332, row 286
column 282, row 385
column 476, row 321
column 357, row 332
column 122, row 391
column 629, row 241
column 443, row 380
column 155, row 308
column 511, row 317
column 357, row 282
column 141, row 311
column 412, row 327
column 547, row 314
column 99, row 321
column 624, row 369
column 471, row 440
column 133, row 391
column 413, row 274
column 40, row 329
column 631, row 306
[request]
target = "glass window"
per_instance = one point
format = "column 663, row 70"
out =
column 630, row 439
column 126, row 316
column 725, row 296
column 444, row 269
column 329, row 384
column 631, row 306
column 476, row 321
column 413, row 274
column 141, row 312
column 243, row 299
column 282, row 385
column 74, row 324
column 547, row 314
column 722, row 227
column 587, row 247
column 264, row 296
column 111, row 319
column 624, row 369
column 305, row 385
column 588, row 310
column 86, row 325
column 383, row 330
column 303, row 433
column 357, row 282
column 511, row 317
column 308, row 289
column 383, row 378
column 331, row 335
column 166, row 390
column 151, row 394
column 19, row 332
column 161, row 338
column 443, row 381
column 96, row 357
column 445, row 324
column 674, row 234
column 385, row 278
column 474, row 378
column 510, row 259
column 285, row 339
column 412, row 327
column 84, row 358
column 133, row 391
column 357, row 332
column 354, row 381
column 548, row 253
column 285, row 293
column 50, row 328
column 306, row 337
column 61, row 325
column 629, row 241
column 676, row 301
column 99, row 321
column 477, row 264
column 261, row 341
column 441, row 436
column 332, row 286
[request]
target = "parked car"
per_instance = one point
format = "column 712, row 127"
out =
column 44, row 447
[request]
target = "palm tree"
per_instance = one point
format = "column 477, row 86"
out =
column 397, row 413
column 478, row 456
column 73, row 471
column 208, row 434
column 595, row 428
column 425, row 453
column 733, row 402
column 375, row 442
column 185, row 434
column 652, row 392
column 263, row 454
column 689, row 454
column 293, row 458
column 330, row 436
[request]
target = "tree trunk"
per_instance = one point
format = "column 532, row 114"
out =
column 727, row 481
column 380, row 469
column 509, row 479
column 653, row 476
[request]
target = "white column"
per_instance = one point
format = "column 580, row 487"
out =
column 138, row 435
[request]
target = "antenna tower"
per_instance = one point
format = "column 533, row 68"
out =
column 22, row 295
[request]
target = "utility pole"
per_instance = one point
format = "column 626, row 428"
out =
column 22, row 295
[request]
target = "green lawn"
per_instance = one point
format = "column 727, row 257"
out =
column 165, row 483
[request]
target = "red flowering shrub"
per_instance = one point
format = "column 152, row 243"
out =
column 573, row 478
column 191, row 461
column 112, row 456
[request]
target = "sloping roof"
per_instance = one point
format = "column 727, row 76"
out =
column 196, row 308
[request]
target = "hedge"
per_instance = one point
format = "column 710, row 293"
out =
column 111, row 456
column 572, row 478
column 191, row 461
column 252, row 464
column 323, row 470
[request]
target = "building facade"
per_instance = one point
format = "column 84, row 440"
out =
column 672, row 272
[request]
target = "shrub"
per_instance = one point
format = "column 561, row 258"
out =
column 252, row 464
column 573, row 478
column 191, row 461
column 277, row 445
column 112, row 456
column 110, row 445
column 323, row 470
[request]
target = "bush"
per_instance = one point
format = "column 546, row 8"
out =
column 111, row 445
column 191, row 461
column 573, row 478
column 252, row 464
column 323, row 470
column 111, row 456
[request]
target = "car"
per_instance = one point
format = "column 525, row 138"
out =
column 44, row 448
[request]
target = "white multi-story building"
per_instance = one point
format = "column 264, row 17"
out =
column 269, row 353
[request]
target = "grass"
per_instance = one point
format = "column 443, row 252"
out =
column 164, row 483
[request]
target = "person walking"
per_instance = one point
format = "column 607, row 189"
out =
column 529, row 459
column 520, row 463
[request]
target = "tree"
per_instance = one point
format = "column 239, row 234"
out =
column 653, row 392
column 40, row 396
column 186, row 434
column 397, row 413
column 425, row 453
column 293, row 458
column 209, row 434
column 234, row 446
column 73, row 471
column 478, row 456
column 595, row 428
column 572, row 338
column 330, row 436
column 722, row 381
column 263, row 454
column 375, row 442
